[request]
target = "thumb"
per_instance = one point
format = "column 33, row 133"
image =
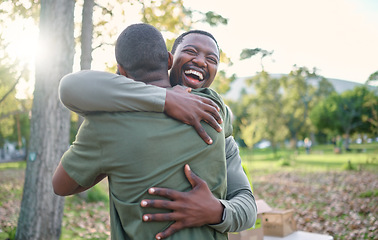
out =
column 191, row 176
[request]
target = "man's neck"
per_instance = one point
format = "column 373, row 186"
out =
column 159, row 80
column 160, row 83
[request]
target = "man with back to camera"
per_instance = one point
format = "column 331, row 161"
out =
column 127, row 148
column 196, row 57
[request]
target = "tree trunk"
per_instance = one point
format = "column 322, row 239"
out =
column 86, row 41
column 346, row 143
column 41, row 210
column 86, row 50
column 293, row 142
column 86, row 35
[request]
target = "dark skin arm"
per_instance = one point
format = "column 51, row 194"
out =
column 189, row 208
column 192, row 109
column 64, row 185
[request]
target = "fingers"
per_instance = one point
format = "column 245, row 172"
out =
column 157, row 203
column 212, row 108
column 165, row 192
column 188, row 175
column 202, row 133
column 169, row 231
column 212, row 122
column 158, row 217
column 192, row 177
column 209, row 102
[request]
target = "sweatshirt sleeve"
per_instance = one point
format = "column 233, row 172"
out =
column 240, row 205
column 94, row 91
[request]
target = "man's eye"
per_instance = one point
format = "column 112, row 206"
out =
column 212, row 60
column 190, row 51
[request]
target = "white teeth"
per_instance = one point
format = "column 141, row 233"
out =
column 194, row 73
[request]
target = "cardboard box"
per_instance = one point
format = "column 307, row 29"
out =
column 254, row 233
column 300, row 235
column 257, row 231
column 279, row 223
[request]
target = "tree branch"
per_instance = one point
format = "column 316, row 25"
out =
column 11, row 89
column 104, row 9
column 101, row 44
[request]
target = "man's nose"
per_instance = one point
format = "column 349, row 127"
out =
column 200, row 61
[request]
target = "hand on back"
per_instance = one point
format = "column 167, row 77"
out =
column 192, row 109
column 195, row 208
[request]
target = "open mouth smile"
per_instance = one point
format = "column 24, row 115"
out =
column 194, row 74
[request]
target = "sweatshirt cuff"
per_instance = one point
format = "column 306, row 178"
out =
column 225, row 224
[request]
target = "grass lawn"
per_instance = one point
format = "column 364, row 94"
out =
column 321, row 158
column 328, row 195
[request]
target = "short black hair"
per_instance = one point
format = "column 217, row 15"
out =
column 181, row 37
column 141, row 47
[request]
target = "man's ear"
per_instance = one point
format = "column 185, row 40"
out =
column 170, row 60
column 121, row 70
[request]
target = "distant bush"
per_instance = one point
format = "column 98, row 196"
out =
column 97, row 194
column 349, row 166
column 284, row 162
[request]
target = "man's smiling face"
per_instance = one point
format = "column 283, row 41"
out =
column 195, row 62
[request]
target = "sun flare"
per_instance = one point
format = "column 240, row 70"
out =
column 22, row 39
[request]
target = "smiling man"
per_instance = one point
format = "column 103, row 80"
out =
column 195, row 59
column 195, row 64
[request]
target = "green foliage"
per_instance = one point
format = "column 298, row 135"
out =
column 370, row 116
column 14, row 117
column 21, row 130
column 12, row 9
column 262, row 116
column 75, row 122
column 4, row 236
column 222, row 83
column 349, row 166
column 369, row 194
column 167, row 15
column 284, row 162
column 7, row 91
column 97, row 194
column 278, row 108
column 248, row 53
column 172, row 16
column 299, row 97
column 104, row 26
column 248, row 173
column 13, row 111
column 213, row 19
column 372, row 78
column 352, row 111
column 8, row 234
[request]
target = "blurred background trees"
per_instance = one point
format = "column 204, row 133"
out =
column 272, row 108
column 278, row 108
